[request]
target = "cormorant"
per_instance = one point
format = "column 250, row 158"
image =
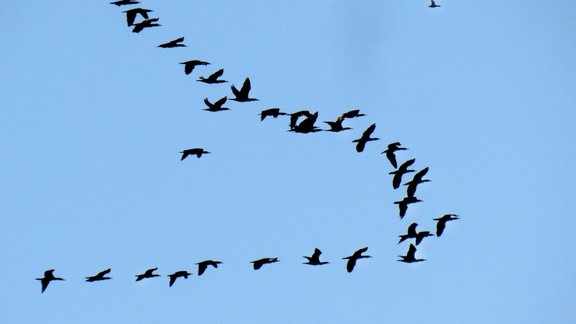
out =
column 393, row 147
column 315, row 258
column 243, row 94
column 148, row 274
column 294, row 117
column 190, row 65
column 307, row 125
column 213, row 78
column 100, row 276
column 217, row 106
column 365, row 138
column 272, row 112
column 402, row 170
column 193, row 151
column 178, row 274
column 260, row 262
column 352, row 114
column 174, row 43
column 419, row 236
column 336, row 126
column 124, row 2
column 433, row 4
column 48, row 276
column 204, row 264
column 410, row 255
column 352, row 259
column 416, row 181
column 403, row 204
column 442, row 222
column 132, row 13
column 145, row 24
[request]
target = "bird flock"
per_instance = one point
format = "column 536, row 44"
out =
column 302, row 121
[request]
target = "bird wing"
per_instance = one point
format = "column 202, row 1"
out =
column 172, row 280
column 202, row 267
column 392, row 158
column 130, row 17
column 221, row 102
column 412, row 229
column 216, row 74
column 246, row 87
column 235, row 91
column 411, row 252
column 369, row 131
column 316, row 254
column 208, row 103
column 360, row 145
column 350, row 264
column 440, row 227
column 44, row 283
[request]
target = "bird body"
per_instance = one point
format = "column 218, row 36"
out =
column 257, row 264
column 173, row 43
column 354, row 257
column 410, row 256
column 242, row 95
column 193, row 151
column 147, row 274
column 202, row 266
column 213, row 78
column 442, row 222
column 178, row 274
column 315, row 258
column 190, row 65
column 48, row 276
column 100, row 276
column 361, row 142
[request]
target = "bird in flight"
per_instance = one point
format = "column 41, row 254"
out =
column 336, row 126
column 124, row 2
column 410, row 255
column 361, row 142
column 243, row 94
column 193, row 151
column 294, row 117
column 352, row 114
column 257, row 264
column 315, row 258
column 390, row 153
column 190, row 65
column 441, row 224
column 419, row 236
column 354, row 257
column 173, row 43
column 402, row 170
column 178, row 274
column 418, row 179
column 433, row 4
column 48, row 276
column 132, row 13
column 100, row 276
column 148, row 23
column 403, row 204
column 202, row 266
column 272, row 112
column 217, row 106
column 307, row 125
column 213, row 78
column 147, row 274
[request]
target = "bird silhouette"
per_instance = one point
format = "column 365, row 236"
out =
column 411, row 233
column 147, row 274
column 307, row 125
column 100, row 276
column 178, row 274
column 193, row 151
column 243, row 94
column 315, row 258
column 173, row 43
column 352, row 114
column 410, row 255
column 217, row 106
column 204, row 264
column 272, row 112
column 133, row 13
column 336, row 126
column 213, row 78
column 124, row 2
column 361, row 142
column 441, row 224
column 390, row 153
column 257, row 264
column 418, row 179
column 403, row 204
column 48, row 276
column 433, row 4
column 295, row 116
column 354, row 257
column 148, row 23
column 402, row 170
column 190, row 65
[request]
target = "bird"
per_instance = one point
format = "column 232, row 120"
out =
column 410, row 255
column 193, row 151
column 390, row 153
column 403, row 204
column 100, row 276
column 442, row 222
column 260, row 262
column 173, row 43
column 204, row 264
column 48, row 276
column 352, row 114
column 217, row 106
column 243, row 94
column 365, row 138
column 178, row 274
column 190, row 65
column 315, row 258
column 402, row 170
column 336, row 126
column 411, row 233
column 307, row 125
column 147, row 274
column 148, row 23
column 213, row 78
column 416, row 181
column 294, row 117
column 354, row 257
column 433, row 4
column 272, row 112
column 132, row 13
column 124, row 2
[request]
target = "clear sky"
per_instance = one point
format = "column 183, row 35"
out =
column 93, row 117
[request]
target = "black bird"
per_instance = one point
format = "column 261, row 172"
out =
column 132, row 13
column 402, row 170
column 433, row 4
column 243, row 94
column 315, row 258
column 411, row 233
column 124, row 2
column 294, row 117
column 100, row 276
column 352, row 259
column 272, row 112
column 147, row 274
column 393, row 147
column 403, row 204
column 148, row 23
column 213, row 78
column 365, row 138
column 48, row 276
column 336, row 126
column 217, row 106
column 307, row 125
column 174, row 43
column 410, row 255
column 260, row 262
column 178, row 274
column 193, row 151
column 190, row 65
column 352, row 114
column 418, row 179
column 442, row 222
column 204, row 264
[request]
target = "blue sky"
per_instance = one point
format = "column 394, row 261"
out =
column 93, row 117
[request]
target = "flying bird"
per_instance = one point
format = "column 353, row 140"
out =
column 260, row 262
column 402, row 170
column 410, row 255
column 272, row 112
column 403, row 204
column 48, row 276
column 204, row 264
column 315, row 258
column 100, row 276
column 390, row 153
column 173, row 43
column 148, row 23
column 361, row 142
column 354, row 257
column 147, row 274
column 411, row 233
column 352, row 114
column 193, row 151
column 433, row 4
column 336, row 126
column 217, row 106
column 418, row 179
column 133, row 13
column 441, row 225
column 243, row 94
column 307, row 125
column 178, row 274
column 124, row 2
column 295, row 116
column 190, row 65
column 213, row 78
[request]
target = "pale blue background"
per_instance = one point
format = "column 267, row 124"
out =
column 92, row 117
